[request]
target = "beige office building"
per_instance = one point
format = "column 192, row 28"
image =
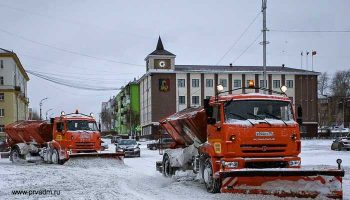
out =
column 13, row 90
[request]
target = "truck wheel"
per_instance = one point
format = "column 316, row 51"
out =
column 55, row 156
column 15, row 156
column 212, row 184
column 154, row 148
column 167, row 169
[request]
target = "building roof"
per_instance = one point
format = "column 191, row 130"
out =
column 7, row 53
column 223, row 68
column 160, row 49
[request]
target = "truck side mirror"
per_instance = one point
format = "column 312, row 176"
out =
column 99, row 127
column 211, row 121
column 208, row 109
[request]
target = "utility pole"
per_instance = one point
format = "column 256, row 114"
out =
column 41, row 104
column 264, row 40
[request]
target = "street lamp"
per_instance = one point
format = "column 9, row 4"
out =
column 41, row 104
column 47, row 112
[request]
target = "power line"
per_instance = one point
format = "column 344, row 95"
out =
column 239, row 38
column 71, row 21
column 66, row 50
column 311, row 31
column 74, row 66
column 245, row 50
column 71, row 84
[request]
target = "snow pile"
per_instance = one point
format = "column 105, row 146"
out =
column 93, row 162
column 180, row 157
column 187, row 175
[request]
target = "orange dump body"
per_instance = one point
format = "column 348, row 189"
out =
column 29, row 131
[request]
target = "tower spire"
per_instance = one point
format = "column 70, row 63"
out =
column 160, row 44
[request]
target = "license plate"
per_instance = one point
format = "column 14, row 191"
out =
column 264, row 133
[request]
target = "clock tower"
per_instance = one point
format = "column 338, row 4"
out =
column 160, row 59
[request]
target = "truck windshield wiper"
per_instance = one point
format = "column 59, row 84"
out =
column 260, row 118
column 240, row 116
column 275, row 117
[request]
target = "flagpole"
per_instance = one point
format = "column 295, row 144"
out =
column 301, row 60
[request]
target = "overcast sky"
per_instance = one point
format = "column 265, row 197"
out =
column 86, row 41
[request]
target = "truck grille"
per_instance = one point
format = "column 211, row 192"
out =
column 263, row 148
column 84, row 145
column 260, row 165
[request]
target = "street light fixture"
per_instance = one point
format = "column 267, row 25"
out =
column 41, row 104
column 47, row 112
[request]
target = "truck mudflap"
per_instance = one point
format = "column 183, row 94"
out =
column 116, row 155
column 283, row 182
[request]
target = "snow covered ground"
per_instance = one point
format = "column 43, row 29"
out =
column 135, row 179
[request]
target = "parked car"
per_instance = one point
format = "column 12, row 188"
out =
column 4, row 146
column 104, row 145
column 163, row 143
column 341, row 143
column 129, row 146
column 115, row 139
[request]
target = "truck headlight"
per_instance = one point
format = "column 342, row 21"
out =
column 294, row 163
column 137, row 149
column 233, row 164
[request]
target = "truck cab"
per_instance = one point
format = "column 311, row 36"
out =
column 76, row 133
column 252, row 131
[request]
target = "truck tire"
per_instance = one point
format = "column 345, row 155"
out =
column 15, row 156
column 212, row 184
column 55, row 157
column 154, row 148
column 167, row 169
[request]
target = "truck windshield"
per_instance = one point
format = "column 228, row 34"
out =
column 81, row 125
column 258, row 110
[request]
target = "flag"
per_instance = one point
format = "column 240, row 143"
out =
column 313, row 53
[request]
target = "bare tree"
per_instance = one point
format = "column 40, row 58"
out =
column 340, row 86
column 106, row 118
column 323, row 83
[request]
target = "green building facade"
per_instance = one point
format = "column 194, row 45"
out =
column 127, row 123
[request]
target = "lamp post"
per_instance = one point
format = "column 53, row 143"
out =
column 41, row 104
column 47, row 112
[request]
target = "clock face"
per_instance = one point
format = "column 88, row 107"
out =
column 162, row 63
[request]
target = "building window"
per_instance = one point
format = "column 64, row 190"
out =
column 2, row 112
column 262, row 85
column 181, row 82
column 195, row 100
column 181, row 99
column 195, row 82
column 2, row 96
column 289, row 83
column 1, row 80
column 248, row 83
column 209, row 82
column 2, row 64
column 2, row 128
column 223, row 82
column 237, row 83
column 276, row 83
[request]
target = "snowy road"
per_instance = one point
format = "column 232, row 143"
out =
column 135, row 179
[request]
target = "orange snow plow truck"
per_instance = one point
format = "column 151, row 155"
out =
column 65, row 137
column 246, row 143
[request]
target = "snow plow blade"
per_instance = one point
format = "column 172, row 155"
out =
column 118, row 155
column 284, row 182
